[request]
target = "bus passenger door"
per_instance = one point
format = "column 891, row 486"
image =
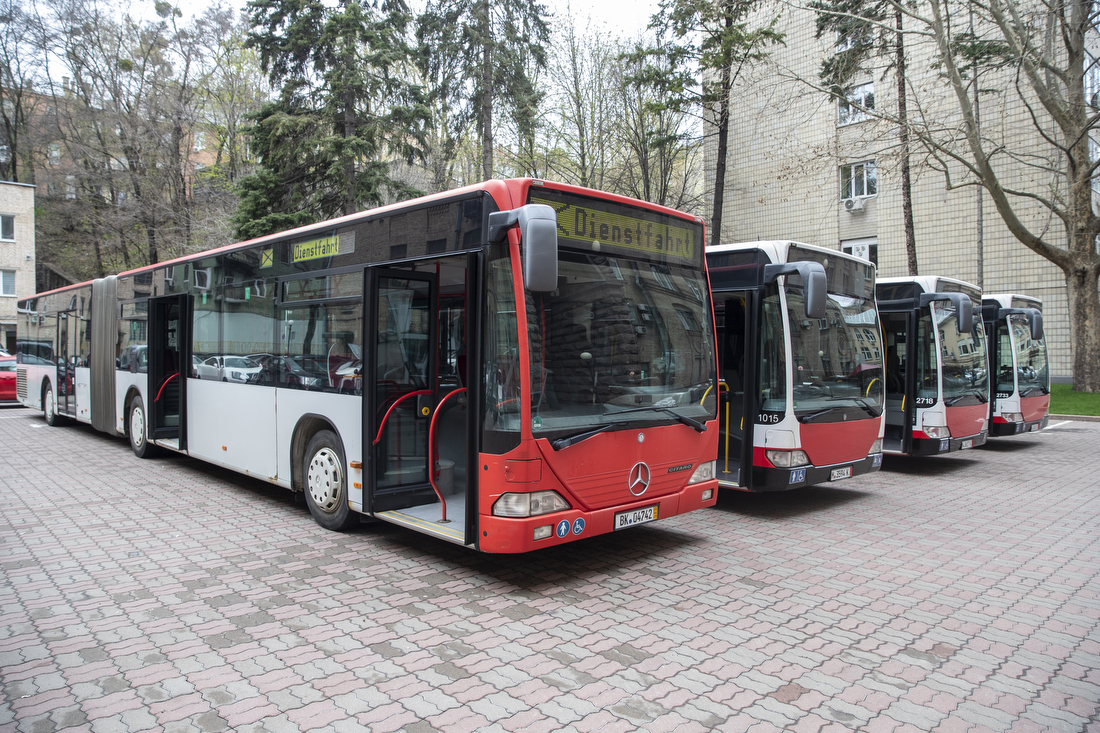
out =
column 401, row 388
column 736, row 371
column 169, row 364
column 66, row 363
column 900, row 382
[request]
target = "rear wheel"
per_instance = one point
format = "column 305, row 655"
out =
column 326, row 483
column 136, row 427
column 49, row 408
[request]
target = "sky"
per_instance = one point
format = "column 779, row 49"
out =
column 622, row 17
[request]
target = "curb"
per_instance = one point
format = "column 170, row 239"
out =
column 1080, row 418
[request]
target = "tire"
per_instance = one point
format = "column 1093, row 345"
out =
column 137, row 429
column 325, row 482
column 49, row 408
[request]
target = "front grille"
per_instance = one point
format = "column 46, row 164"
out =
column 21, row 384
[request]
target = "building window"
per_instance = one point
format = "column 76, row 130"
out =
column 846, row 40
column 855, row 105
column 55, row 154
column 1092, row 81
column 7, row 282
column 200, row 141
column 7, row 228
column 858, row 180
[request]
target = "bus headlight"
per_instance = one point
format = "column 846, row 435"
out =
column 787, row 458
column 936, row 432
column 705, row 472
column 529, row 505
column 876, row 447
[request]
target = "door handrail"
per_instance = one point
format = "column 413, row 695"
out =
column 397, row 402
column 164, row 384
column 431, row 451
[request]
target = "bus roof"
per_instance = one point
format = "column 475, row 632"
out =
column 509, row 193
column 777, row 249
column 1013, row 300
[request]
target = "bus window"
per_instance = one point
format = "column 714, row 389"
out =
column 927, row 363
column 501, row 357
column 319, row 348
column 773, row 361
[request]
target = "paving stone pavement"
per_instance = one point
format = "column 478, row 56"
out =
column 951, row 594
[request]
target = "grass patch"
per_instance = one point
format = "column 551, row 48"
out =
column 1064, row 401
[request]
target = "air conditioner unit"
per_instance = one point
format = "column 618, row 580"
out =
column 853, row 204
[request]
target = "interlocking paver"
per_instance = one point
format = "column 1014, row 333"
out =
column 950, row 594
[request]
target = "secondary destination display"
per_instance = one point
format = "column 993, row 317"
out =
column 586, row 224
column 315, row 249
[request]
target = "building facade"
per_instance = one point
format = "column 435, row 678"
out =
column 811, row 168
column 17, row 258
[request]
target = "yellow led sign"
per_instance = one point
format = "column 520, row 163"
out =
column 317, row 248
column 589, row 224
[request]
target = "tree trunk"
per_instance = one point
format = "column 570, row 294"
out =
column 723, row 145
column 486, row 94
column 1084, row 304
column 903, row 135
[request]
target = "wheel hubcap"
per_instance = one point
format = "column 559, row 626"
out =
column 324, row 479
column 137, row 426
column 49, row 404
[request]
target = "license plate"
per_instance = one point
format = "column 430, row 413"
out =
column 637, row 516
column 968, row 443
column 839, row 473
column 1034, row 428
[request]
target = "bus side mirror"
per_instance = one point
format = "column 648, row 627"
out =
column 964, row 307
column 538, row 231
column 813, row 281
column 1034, row 319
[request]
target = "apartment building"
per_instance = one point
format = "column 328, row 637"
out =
column 806, row 167
column 17, row 259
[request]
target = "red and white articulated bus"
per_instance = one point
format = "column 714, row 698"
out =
column 937, row 380
column 507, row 366
column 1018, row 363
column 800, row 365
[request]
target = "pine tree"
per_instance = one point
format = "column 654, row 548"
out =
column 346, row 107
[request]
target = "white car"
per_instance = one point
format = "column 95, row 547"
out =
column 227, row 368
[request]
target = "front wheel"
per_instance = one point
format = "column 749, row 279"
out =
column 139, row 441
column 325, row 482
column 49, row 408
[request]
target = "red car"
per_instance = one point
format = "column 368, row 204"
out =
column 7, row 379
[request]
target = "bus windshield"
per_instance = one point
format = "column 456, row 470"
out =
column 962, row 356
column 619, row 336
column 836, row 361
column 1032, row 371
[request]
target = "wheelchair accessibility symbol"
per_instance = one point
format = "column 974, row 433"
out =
column 578, row 525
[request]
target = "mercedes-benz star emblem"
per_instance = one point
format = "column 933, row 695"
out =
column 639, row 479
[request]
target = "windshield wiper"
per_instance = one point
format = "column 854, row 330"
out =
column 574, row 439
column 691, row 423
column 969, row 393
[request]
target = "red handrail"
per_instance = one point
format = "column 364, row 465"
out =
column 431, row 451
column 396, row 402
column 164, row 384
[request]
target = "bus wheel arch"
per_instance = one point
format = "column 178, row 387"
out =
column 319, row 470
column 49, row 404
column 135, row 415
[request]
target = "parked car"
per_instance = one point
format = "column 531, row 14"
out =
column 227, row 368
column 7, row 380
column 285, row 371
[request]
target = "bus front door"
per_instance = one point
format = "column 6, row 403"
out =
column 169, row 365
column 736, row 357
column 900, row 384
column 401, row 388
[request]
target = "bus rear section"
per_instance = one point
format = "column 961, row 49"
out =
column 800, row 365
column 937, row 380
column 1018, row 362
